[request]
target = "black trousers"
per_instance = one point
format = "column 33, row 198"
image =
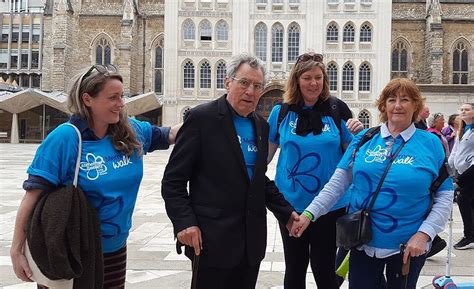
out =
column 317, row 246
column 243, row 276
column 465, row 202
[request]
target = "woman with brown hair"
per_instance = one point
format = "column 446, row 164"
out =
column 111, row 166
column 312, row 136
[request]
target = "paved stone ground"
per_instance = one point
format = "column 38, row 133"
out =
column 152, row 261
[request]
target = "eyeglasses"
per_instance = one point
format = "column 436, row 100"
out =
column 102, row 69
column 245, row 83
column 309, row 56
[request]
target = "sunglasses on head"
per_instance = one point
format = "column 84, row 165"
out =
column 309, row 56
column 102, row 69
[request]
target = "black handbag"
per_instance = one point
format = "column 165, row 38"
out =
column 355, row 229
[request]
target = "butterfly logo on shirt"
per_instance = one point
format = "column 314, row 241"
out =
column 94, row 166
column 300, row 169
column 389, row 223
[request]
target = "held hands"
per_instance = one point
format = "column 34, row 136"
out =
column 191, row 237
column 354, row 125
column 294, row 218
column 299, row 226
column 416, row 246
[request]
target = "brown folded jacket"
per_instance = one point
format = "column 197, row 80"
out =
column 64, row 238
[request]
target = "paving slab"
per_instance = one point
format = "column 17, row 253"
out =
column 152, row 260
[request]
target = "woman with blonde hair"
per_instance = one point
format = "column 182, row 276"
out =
column 111, row 167
column 312, row 135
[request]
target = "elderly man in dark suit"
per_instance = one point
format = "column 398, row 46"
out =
column 221, row 150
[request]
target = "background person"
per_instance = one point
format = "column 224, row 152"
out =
column 400, row 214
column 311, row 146
column 221, row 151
column 462, row 159
column 435, row 124
column 451, row 130
column 422, row 117
column 108, row 135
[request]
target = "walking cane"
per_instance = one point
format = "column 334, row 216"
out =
column 405, row 267
column 195, row 264
column 195, row 272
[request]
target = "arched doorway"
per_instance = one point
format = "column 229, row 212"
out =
column 268, row 100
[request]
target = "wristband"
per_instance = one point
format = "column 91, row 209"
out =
column 309, row 215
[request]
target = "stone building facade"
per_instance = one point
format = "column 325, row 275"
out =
column 125, row 33
column 76, row 34
column 357, row 51
column 433, row 44
column 364, row 43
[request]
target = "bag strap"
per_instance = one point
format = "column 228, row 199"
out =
column 443, row 174
column 377, row 191
column 284, row 107
column 78, row 160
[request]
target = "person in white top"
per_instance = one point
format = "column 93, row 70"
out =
column 462, row 160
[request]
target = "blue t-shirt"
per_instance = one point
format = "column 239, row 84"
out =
column 403, row 201
column 109, row 179
column 306, row 163
column 247, row 141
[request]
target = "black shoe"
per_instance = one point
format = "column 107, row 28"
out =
column 436, row 247
column 464, row 243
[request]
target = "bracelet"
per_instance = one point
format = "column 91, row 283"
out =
column 308, row 215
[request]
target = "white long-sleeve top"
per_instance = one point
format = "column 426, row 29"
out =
column 462, row 156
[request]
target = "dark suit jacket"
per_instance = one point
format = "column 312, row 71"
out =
column 228, row 207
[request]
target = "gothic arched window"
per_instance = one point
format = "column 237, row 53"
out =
column 222, row 31
column 293, row 42
column 158, row 67
column 188, row 30
column 103, row 52
column 332, row 76
column 460, row 64
column 366, row 33
column 205, row 31
column 205, row 75
column 348, row 33
column 332, row 33
column 364, row 118
column 261, row 41
column 400, row 60
column 347, row 77
column 277, row 43
column 221, row 71
column 188, row 74
column 364, row 77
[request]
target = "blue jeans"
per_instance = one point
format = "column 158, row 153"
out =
column 367, row 272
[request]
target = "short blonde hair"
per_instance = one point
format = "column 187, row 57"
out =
column 292, row 93
column 392, row 88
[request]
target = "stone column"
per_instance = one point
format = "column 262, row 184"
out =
column 434, row 44
column 14, row 136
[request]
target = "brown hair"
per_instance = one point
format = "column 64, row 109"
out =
column 122, row 133
column 462, row 123
column 292, row 93
column 392, row 88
